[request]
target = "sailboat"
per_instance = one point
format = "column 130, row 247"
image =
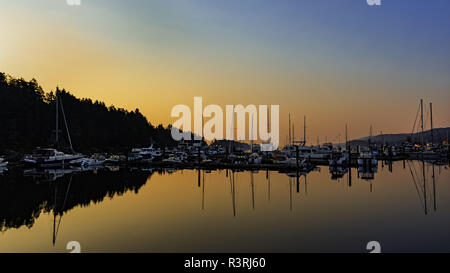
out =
column 426, row 151
column 51, row 157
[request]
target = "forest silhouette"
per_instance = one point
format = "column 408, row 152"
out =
column 27, row 121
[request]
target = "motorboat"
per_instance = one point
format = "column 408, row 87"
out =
column 96, row 160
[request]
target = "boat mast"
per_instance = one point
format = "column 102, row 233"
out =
column 431, row 118
column 290, row 129
column 421, row 121
column 57, row 125
column 293, row 133
column 304, row 130
column 251, row 137
column 346, row 137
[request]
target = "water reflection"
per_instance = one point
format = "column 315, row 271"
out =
column 24, row 196
column 256, row 199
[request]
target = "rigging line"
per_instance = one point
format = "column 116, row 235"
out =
column 415, row 121
column 65, row 122
column 415, row 185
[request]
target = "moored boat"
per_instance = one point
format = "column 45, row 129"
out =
column 49, row 157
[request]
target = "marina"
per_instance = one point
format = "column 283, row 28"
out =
column 296, row 155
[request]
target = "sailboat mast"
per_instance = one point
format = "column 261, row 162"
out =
column 421, row 120
column 289, row 129
column 251, row 136
column 57, row 125
column 346, row 137
column 293, row 133
column 304, row 130
column 431, row 119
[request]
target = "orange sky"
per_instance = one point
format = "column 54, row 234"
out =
column 134, row 60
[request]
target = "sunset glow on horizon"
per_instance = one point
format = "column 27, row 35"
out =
column 336, row 62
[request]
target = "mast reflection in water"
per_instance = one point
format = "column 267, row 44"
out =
column 403, row 205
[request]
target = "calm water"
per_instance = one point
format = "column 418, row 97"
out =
column 132, row 210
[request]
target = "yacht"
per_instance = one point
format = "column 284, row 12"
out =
column 309, row 152
column 49, row 157
column 96, row 160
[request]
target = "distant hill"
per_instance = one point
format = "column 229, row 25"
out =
column 439, row 135
column 238, row 146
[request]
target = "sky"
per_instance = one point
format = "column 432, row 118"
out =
column 336, row 61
